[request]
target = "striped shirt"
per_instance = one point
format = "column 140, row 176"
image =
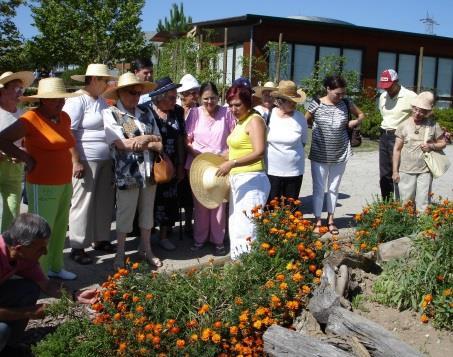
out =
column 330, row 140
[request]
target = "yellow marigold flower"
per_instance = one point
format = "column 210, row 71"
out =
column 204, row 309
column 258, row 324
column 206, row 334
column 140, row 337
column 306, row 289
column 269, row 284
column 194, row 337
column 291, row 266
column 265, row 246
column 216, row 338
column 318, row 245
column 447, row 292
column 283, row 286
column 244, row 316
column 428, row 298
column 233, row 330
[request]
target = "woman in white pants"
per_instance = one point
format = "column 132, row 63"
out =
column 249, row 184
column 330, row 147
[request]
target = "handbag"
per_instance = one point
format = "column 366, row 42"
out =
column 436, row 161
column 163, row 169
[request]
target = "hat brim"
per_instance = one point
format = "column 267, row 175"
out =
column 420, row 105
column 258, row 91
column 385, row 85
column 182, row 89
column 81, row 77
column 208, row 197
column 112, row 93
column 26, row 77
column 57, row 95
column 165, row 89
column 300, row 98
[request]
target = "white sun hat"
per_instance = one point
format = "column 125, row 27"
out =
column 25, row 77
column 188, row 82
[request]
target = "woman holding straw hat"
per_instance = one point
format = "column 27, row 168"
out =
column 415, row 136
column 134, row 137
column 267, row 102
column 93, row 193
column 248, row 180
column 11, row 171
column 330, row 147
column 207, row 130
column 286, row 138
column 48, row 158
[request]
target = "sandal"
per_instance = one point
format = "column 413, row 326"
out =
column 155, row 261
column 317, row 227
column 104, row 246
column 80, row 256
column 334, row 231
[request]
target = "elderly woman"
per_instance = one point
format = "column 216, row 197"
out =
column 286, row 138
column 207, row 130
column 415, row 136
column 248, row 180
column 170, row 120
column 330, row 147
column 267, row 102
column 11, row 171
column 93, row 194
column 49, row 158
column 134, row 137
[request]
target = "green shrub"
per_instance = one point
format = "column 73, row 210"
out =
column 372, row 122
column 445, row 118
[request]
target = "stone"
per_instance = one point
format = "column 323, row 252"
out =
column 394, row 249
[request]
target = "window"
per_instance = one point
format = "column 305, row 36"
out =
column 285, row 65
column 406, row 70
column 238, row 61
column 329, row 51
column 304, row 62
column 444, row 77
column 353, row 60
column 429, row 73
column 386, row 60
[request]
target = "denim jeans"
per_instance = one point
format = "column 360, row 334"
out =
column 16, row 293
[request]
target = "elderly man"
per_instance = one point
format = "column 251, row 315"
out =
column 11, row 171
column 21, row 246
column 395, row 107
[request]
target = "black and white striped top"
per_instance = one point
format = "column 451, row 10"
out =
column 330, row 140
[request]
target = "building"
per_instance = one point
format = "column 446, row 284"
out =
column 368, row 50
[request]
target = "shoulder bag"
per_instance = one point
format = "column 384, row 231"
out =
column 163, row 168
column 436, row 161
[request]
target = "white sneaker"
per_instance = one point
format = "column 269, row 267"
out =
column 167, row 244
column 62, row 274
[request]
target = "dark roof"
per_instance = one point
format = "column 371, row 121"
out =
column 250, row 19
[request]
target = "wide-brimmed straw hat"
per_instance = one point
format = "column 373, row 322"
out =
column 270, row 86
column 128, row 79
column 188, row 82
column 50, row 88
column 25, row 77
column 288, row 90
column 94, row 70
column 210, row 190
column 164, row 85
column 425, row 100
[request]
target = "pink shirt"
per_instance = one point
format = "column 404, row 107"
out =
column 25, row 269
column 208, row 134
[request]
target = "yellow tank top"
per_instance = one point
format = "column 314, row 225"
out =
column 239, row 145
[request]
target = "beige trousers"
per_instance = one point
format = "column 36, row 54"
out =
column 416, row 188
column 92, row 203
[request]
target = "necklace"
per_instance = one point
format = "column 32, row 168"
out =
column 417, row 128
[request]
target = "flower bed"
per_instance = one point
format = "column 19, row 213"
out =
column 211, row 312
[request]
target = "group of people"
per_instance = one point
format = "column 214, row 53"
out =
column 86, row 152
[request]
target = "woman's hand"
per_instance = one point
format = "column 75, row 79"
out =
column 140, row 142
column 225, row 168
column 77, row 170
column 353, row 123
column 427, row 147
column 87, row 296
column 396, row 177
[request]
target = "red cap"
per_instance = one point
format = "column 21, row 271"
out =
column 388, row 77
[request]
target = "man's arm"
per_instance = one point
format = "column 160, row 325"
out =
column 22, row 313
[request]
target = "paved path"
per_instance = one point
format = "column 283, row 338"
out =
column 359, row 185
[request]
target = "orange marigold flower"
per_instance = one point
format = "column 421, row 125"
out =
column 135, row 266
column 126, row 296
column 148, row 327
column 122, row 346
column 312, row 268
column 306, row 289
column 280, row 277
column 238, row 300
column 316, row 281
column 318, row 272
column 318, row 245
column 297, row 277
column 156, row 340
column 233, row 330
column 283, row 286
column 265, row 246
column 192, row 324
column 428, row 298
column 273, row 230
column 140, row 337
column 323, row 230
column 117, row 316
column 175, row 330
column 194, row 337
column 244, row 316
column 157, row 329
column 139, row 308
column 363, row 246
column 180, row 343
column 271, row 252
column 216, row 338
column 424, row 318
column 335, row 246
column 275, row 301
column 149, row 296
column 292, row 305
column 447, row 292
column 135, row 299
column 218, row 324
column 206, row 334
column 204, row 309
column 269, row 284
column 291, row 266
column 258, row 324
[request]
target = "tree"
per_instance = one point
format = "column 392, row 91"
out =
column 177, row 23
column 87, row 31
column 10, row 38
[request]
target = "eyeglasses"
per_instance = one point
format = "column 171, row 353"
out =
column 134, row 92
column 212, row 99
column 192, row 93
column 420, row 110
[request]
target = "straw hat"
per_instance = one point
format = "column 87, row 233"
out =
column 271, row 86
column 288, row 90
column 210, row 190
column 188, row 82
column 128, row 79
column 50, row 88
column 425, row 100
column 25, row 77
column 94, row 70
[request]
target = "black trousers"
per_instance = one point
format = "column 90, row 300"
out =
column 285, row 186
column 386, row 144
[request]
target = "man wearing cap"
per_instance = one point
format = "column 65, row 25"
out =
column 395, row 107
column 11, row 171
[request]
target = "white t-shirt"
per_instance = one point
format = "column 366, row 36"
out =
column 7, row 118
column 286, row 138
column 88, row 127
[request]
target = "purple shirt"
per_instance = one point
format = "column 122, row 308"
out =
column 208, row 134
column 25, row 269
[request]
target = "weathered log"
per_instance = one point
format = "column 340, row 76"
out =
column 323, row 300
column 352, row 260
column 279, row 342
column 342, row 280
column 306, row 324
column 378, row 341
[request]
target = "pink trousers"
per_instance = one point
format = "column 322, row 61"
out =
column 209, row 224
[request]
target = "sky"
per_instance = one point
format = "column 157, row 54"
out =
column 400, row 15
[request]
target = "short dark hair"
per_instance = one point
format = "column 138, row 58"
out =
column 208, row 86
column 26, row 228
column 334, row 81
column 140, row 63
column 241, row 92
